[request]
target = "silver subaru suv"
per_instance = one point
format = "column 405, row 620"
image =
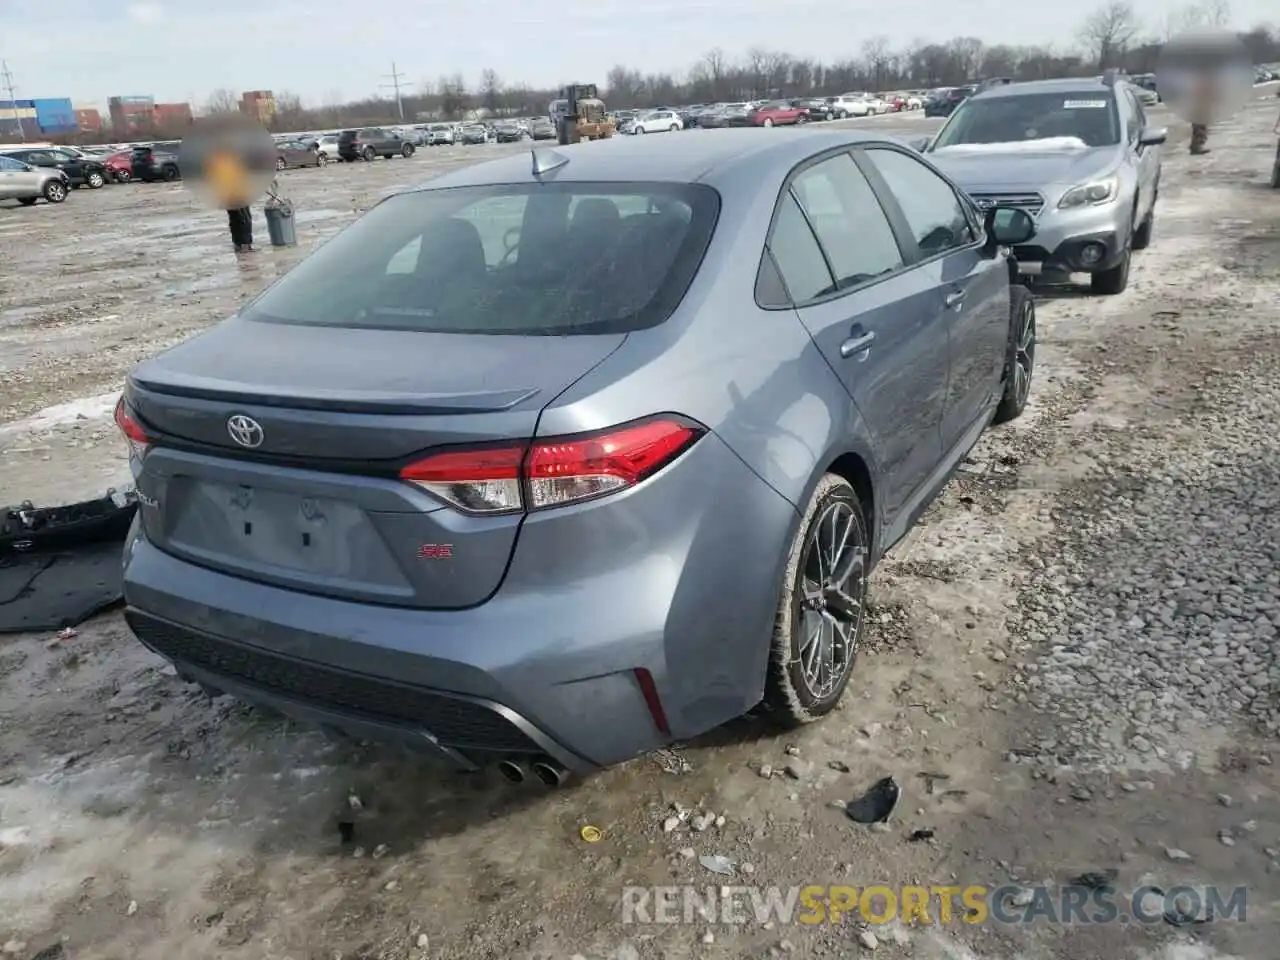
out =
column 22, row 182
column 1077, row 154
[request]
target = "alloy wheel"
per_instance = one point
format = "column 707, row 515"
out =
column 1024, row 356
column 831, row 591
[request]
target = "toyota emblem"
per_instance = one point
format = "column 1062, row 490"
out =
column 245, row 431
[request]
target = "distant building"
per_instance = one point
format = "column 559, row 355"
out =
column 24, row 118
column 259, row 104
column 89, row 119
column 132, row 114
column 172, row 116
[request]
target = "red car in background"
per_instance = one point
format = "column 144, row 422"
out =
column 120, row 166
column 777, row 113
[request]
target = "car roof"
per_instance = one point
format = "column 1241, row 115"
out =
column 1058, row 85
column 708, row 155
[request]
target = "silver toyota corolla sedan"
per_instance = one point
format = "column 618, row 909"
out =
column 574, row 453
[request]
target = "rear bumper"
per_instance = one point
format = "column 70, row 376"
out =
column 670, row 579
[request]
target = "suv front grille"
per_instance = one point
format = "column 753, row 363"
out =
column 453, row 720
column 1029, row 201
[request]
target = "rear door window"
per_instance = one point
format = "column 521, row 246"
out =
column 798, row 256
column 550, row 259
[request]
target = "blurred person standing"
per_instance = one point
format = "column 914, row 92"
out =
column 229, row 179
column 1202, row 104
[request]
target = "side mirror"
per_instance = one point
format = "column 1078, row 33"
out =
column 1153, row 136
column 1009, row 226
column 920, row 144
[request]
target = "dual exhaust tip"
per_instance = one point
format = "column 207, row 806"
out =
column 548, row 771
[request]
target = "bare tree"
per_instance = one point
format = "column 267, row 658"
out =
column 452, row 92
column 491, row 91
column 716, row 66
column 966, row 54
column 1108, row 31
column 222, row 101
column 875, row 50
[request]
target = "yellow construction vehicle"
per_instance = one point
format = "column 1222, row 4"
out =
column 579, row 114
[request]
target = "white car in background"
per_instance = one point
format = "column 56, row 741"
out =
column 656, row 121
column 849, row 105
column 327, row 147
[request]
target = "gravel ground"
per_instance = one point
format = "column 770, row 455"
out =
column 1076, row 645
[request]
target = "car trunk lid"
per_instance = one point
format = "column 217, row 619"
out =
column 280, row 475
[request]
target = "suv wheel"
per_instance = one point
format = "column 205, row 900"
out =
column 124, row 176
column 821, row 612
column 55, row 191
column 369, row 154
column 171, row 172
column 406, row 151
column 842, row 115
column 1020, row 359
column 95, row 180
column 1142, row 236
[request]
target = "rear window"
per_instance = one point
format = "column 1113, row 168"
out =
column 538, row 259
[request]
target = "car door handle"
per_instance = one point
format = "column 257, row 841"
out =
column 955, row 299
column 856, row 345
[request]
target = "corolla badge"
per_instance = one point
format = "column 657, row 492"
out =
column 245, row 431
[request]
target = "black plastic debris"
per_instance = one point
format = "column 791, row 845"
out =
column 876, row 804
column 61, row 565
column 1095, row 879
column 1177, row 915
column 921, row 834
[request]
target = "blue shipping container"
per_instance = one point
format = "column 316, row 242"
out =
column 56, row 115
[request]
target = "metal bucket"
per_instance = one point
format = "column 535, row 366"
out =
column 280, row 224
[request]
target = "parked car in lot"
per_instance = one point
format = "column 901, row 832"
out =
column 777, row 113
column 476, row 133
column 508, row 533
column 944, row 102
column 119, row 166
column 81, row 171
column 369, row 143
column 299, row 153
column 440, row 135
column 27, row 184
column 506, row 132
column 1079, row 155
column 814, row 108
column 542, row 129
column 153, row 162
column 329, row 146
column 656, row 121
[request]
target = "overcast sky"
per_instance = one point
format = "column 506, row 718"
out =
column 325, row 49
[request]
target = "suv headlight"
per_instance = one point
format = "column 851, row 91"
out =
column 1089, row 194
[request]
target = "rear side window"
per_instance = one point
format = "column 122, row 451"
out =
column 540, row 260
column 799, row 258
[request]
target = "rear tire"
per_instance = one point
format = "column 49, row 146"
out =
column 674, row 128
column 171, row 173
column 406, row 151
column 1020, row 356
column 123, row 176
column 807, row 637
column 768, row 122
column 638, row 130
column 369, row 154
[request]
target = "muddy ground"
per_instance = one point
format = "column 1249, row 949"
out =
column 141, row 821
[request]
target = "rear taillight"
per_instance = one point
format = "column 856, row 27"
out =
column 555, row 471
column 137, row 438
